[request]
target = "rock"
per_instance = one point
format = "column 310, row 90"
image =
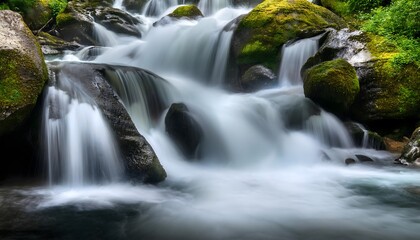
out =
column 75, row 23
column 23, row 72
column 38, row 15
column 411, row 152
column 333, row 85
column 349, row 161
column 134, row 6
column 297, row 112
column 360, row 134
column 257, row 77
column 363, row 158
column 51, row 45
column 188, row 12
column 183, row 129
column 140, row 160
column 395, row 146
column 261, row 33
column 386, row 92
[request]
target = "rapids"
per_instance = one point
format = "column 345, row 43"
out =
column 258, row 177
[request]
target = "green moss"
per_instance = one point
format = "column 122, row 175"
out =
column 189, row 11
column 332, row 84
column 10, row 86
column 272, row 23
column 64, row 18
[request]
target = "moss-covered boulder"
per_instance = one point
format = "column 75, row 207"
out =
column 332, row 84
column 389, row 91
column 261, row 33
column 187, row 11
column 23, row 72
column 75, row 23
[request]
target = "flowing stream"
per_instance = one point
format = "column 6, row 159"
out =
column 271, row 163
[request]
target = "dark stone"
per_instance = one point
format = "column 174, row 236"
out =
column 140, row 160
column 257, row 77
column 349, row 161
column 296, row 114
column 183, row 129
column 363, row 158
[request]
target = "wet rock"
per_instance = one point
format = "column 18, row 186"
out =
column 52, row 45
column 189, row 12
column 349, row 161
column 134, row 6
column 183, row 129
column 140, row 160
column 411, row 152
column 333, row 85
column 363, row 158
column 297, row 112
column 363, row 137
column 257, row 77
column 386, row 92
column 75, row 23
column 284, row 21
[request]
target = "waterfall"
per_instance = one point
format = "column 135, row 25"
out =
column 293, row 56
column 196, row 49
column 209, row 7
column 80, row 148
column 157, row 7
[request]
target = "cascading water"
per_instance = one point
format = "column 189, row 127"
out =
column 294, row 55
column 270, row 163
column 80, row 148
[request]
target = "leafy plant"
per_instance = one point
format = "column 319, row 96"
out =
column 57, row 6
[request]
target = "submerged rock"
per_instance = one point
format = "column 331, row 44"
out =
column 140, row 159
column 185, row 131
column 333, row 85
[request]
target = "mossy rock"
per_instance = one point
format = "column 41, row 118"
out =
column 388, row 91
column 23, row 72
column 261, row 33
column 187, row 11
column 332, row 84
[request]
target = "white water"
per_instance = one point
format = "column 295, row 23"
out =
column 80, row 148
column 258, row 178
column 293, row 57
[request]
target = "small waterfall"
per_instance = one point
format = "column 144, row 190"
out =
column 144, row 95
column 158, row 7
column 80, row 148
column 209, row 7
column 329, row 130
column 118, row 4
column 293, row 57
column 195, row 49
column 104, row 36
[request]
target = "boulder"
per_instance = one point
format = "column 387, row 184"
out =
column 411, row 152
column 185, row 131
column 140, row 160
column 333, row 85
column 75, row 23
column 23, row 72
column 188, row 12
column 51, row 45
column 261, row 33
column 295, row 113
column 387, row 92
column 257, row 77
column 363, row 137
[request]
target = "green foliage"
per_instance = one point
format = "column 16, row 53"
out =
column 400, row 22
column 4, row 6
column 363, row 5
column 57, row 6
column 20, row 5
